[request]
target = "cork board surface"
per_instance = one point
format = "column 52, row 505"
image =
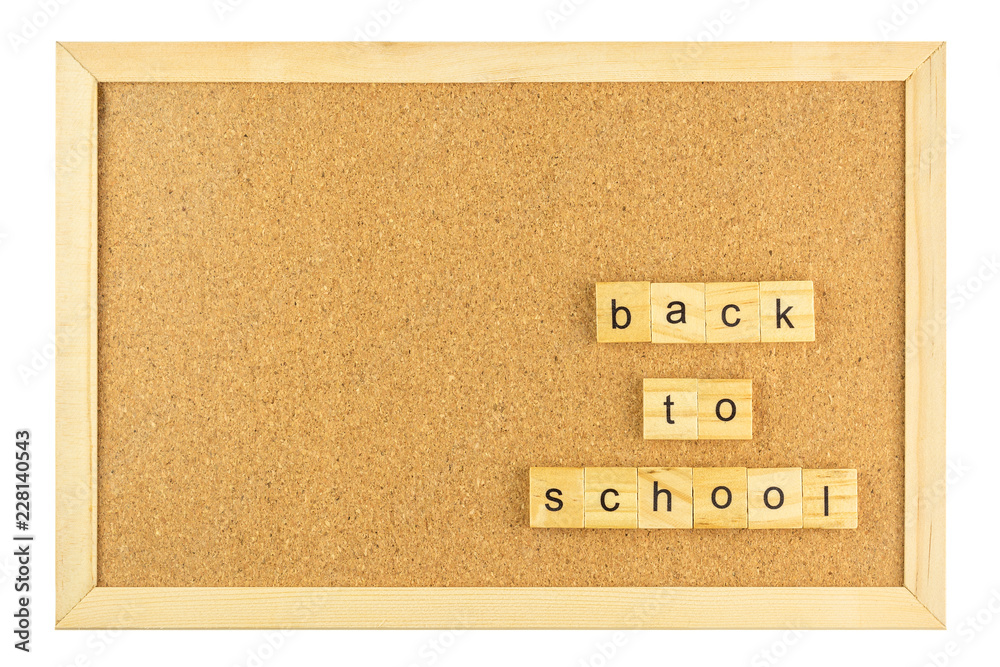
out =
column 338, row 323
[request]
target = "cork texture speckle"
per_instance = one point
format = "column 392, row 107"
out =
column 339, row 323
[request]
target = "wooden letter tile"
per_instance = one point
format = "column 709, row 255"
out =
column 786, row 312
column 830, row 499
column 720, row 497
column 556, row 498
column 774, row 497
column 669, row 409
column 725, row 409
column 623, row 313
column 665, row 498
column 611, row 498
column 732, row 312
column 677, row 311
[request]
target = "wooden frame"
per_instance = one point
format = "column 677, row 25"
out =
column 919, row 603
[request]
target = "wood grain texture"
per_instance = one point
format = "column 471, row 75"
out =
column 926, row 312
column 567, row 484
column 676, row 421
column 722, row 400
column 677, row 312
column 774, row 498
column 657, row 509
column 457, row 62
column 720, row 497
column 622, row 312
column 632, row 608
column 830, row 499
column 732, row 312
column 76, row 332
column 795, row 322
column 611, row 498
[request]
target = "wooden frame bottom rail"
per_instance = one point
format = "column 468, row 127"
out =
column 635, row 608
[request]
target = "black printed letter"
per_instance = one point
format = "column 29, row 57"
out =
column 729, row 497
column 604, row 505
column 679, row 315
column 727, row 322
column 557, row 501
column 781, row 498
column 783, row 315
column 732, row 410
column 615, row 309
column 656, row 495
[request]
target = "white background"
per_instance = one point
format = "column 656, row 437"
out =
column 26, row 313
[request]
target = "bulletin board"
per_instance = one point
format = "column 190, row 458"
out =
column 321, row 307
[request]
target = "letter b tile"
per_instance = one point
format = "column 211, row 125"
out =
column 623, row 312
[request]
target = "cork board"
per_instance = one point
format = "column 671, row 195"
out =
column 338, row 323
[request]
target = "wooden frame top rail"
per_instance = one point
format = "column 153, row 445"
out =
column 471, row 62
